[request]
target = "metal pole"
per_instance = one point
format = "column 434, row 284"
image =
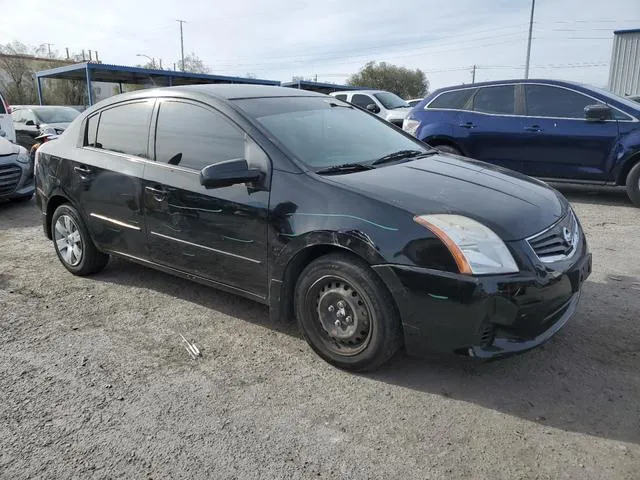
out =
column 39, row 89
column 473, row 74
column 120, row 85
column 526, row 68
column 89, row 92
column 181, row 42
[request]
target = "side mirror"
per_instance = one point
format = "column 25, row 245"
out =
column 373, row 108
column 30, row 123
column 597, row 113
column 227, row 173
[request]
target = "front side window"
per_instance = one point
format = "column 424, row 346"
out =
column 548, row 101
column 321, row 133
column 455, row 100
column 390, row 100
column 195, row 137
column 362, row 100
column 125, row 128
column 497, row 100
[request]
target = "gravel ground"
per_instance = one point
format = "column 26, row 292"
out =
column 95, row 383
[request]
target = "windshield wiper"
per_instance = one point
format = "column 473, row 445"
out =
column 401, row 154
column 345, row 168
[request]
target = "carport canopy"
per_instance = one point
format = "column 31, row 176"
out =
column 319, row 87
column 119, row 74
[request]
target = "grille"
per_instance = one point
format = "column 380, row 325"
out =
column 9, row 178
column 558, row 242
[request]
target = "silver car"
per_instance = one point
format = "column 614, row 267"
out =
column 16, row 172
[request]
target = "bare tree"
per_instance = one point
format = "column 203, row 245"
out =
column 17, row 82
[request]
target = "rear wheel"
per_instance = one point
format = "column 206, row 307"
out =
column 448, row 149
column 633, row 184
column 346, row 314
column 73, row 244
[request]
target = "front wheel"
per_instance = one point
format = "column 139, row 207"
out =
column 73, row 244
column 633, row 184
column 346, row 314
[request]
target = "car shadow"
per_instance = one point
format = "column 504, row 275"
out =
column 595, row 195
column 22, row 214
column 123, row 272
column 584, row 380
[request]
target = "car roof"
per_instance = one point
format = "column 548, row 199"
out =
column 562, row 83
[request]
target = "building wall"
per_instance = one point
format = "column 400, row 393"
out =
column 624, row 72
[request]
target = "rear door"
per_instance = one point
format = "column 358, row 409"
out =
column 491, row 130
column 218, row 234
column 558, row 141
column 6, row 122
column 107, row 176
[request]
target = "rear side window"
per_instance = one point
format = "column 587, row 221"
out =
column 452, row 100
column 92, row 131
column 548, row 101
column 342, row 97
column 125, row 129
column 497, row 100
column 194, row 137
column 362, row 100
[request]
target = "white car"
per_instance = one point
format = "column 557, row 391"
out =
column 6, row 122
column 414, row 101
column 384, row 104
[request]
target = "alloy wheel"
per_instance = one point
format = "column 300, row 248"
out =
column 68, row 240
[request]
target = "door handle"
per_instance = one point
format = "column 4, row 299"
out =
column 159, row 194
column 83, row 171
column 533, row 128
column 467, row 125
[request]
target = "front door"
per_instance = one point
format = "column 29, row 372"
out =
column 490, row 131
column 218, row 234
column 559, row 142
column 107, row 176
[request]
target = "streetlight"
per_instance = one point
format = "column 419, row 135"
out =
column 153, row 60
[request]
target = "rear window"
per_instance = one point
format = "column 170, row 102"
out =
column 125, row 129
column 342, row 97
column 497, row 100
column 452, row 100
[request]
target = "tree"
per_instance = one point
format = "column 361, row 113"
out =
column 17, row 82
column 193, row 64
column 402, row 81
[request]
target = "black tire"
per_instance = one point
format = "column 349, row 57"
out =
column 633, row 184
column 376, row 331
column 448, row 149
column 90, row 260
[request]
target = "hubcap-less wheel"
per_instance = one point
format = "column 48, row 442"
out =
column 68, row 240
column 344, row 318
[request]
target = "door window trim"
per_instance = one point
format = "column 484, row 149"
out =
column 632, row 119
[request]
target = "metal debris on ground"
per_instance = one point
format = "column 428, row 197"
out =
column 191, row 348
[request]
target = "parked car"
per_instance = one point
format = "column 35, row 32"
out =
column 6, row 123
column 555, row 130
column 16, row 172
column 386, row 105
column 30, row 120
column 414, row 101
column 320, row 210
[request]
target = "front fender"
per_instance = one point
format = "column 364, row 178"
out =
column 429, row 131
column 628, row 153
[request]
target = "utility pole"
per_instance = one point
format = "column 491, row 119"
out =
column 49, row 47
column 526, row 68
column 473, row 74
column 181, row 42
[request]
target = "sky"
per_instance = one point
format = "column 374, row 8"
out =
column 331, row 39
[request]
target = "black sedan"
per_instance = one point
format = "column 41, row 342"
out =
column 369, row 238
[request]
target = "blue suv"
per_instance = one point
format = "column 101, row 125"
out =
column 554, row 130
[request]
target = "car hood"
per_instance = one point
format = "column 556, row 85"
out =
column 513, row 205
column 398, row 112
column 7, row 148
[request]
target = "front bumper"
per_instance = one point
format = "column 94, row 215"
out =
column 15, row 185
column 487, row 316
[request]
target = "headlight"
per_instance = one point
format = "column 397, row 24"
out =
column 476, row 249
column 23, row 156
column 410, row 126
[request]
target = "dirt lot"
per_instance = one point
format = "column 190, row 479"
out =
column 94, row 381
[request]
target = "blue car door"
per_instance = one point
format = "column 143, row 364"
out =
column 490, row 130
column 558, row 142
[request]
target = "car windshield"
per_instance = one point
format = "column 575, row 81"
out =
column 324, row 132
column 390, row 100
column 56, row 114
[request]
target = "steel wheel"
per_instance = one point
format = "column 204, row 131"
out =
column 343, row 316
column 68, row 240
